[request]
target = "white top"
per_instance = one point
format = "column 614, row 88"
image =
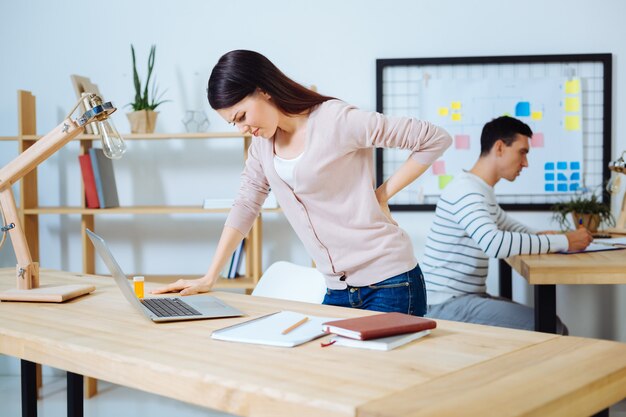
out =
column 285, row 168
column 469, row 228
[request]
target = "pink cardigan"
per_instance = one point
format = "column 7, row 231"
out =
column 333, row 208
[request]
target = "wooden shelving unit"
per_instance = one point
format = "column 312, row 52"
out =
column 30, row 209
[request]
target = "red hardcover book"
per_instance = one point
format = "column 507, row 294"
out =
column 379, row 325
column 89, row 181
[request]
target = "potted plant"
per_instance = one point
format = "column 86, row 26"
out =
column 143, row 118
column 585, row 209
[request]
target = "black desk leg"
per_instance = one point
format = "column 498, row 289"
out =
column 603, row 413
column 29, row 389
column 545, row 308
column 506, row 274
column 74, row 395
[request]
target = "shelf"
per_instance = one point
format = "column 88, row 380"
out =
column 30, row 209
column 135, row 210
column 147, row 136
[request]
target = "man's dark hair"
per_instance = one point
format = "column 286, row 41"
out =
column 504, row 128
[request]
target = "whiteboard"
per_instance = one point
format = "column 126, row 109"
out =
column 562, row 99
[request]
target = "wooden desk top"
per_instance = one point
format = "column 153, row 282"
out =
column 606, row 267
column 459, row 369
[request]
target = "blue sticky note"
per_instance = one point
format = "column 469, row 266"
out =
column 573, row 186
column 561, row 187
column 549, row 166
column 561, row 177
column 549, row 187
column 522, row 109
column 561, row 165
column 575, row 176
column 549, row 176
column 574, row 165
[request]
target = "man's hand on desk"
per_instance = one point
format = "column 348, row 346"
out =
column 578, row 239
column 187, row 286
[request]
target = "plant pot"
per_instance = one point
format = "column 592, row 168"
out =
column 142, row 121
column 590, row 221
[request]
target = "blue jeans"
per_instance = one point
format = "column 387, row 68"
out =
column 404, row 293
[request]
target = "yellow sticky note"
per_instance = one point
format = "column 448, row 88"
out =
column 536, row 115
column 572, row 86
column 456, row 117
column 572, row 122
column 456, row 105
column 443, row 111
column 444, row 180
column 572, row 104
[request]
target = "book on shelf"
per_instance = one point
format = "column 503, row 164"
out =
column 379, row 325
column 104, row 177
column 382, row 343
column 89, row 182
column 227, row 203
column 235, row 262
column 218, row 203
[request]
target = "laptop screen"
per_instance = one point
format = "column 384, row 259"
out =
column 116, row 271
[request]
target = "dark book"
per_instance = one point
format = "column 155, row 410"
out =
column 89, row 182
column 230, row 266
column 236, row 261
column 105, row 178
column 379, row 325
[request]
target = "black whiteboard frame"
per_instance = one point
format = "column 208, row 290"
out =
column 606, row 59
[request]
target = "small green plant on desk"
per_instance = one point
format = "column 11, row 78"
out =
column 585, row 209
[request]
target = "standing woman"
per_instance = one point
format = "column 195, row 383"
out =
column 316, row 154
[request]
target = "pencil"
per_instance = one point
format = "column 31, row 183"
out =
column 295, row 325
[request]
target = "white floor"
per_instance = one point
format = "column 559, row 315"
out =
column 112, row 400
column 115, row 400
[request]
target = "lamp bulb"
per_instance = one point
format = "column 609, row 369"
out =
column 112, row 143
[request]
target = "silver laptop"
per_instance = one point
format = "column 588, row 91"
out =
column 167, row 308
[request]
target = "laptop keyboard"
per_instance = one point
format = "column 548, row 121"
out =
column 169, row 307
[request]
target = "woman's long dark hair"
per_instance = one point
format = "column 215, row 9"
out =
column 239, row 73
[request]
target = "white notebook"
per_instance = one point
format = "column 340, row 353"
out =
column 383, row 343
column 267, row 330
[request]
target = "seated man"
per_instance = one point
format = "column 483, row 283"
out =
column 470, row 227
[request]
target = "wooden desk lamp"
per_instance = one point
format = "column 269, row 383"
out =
column 619, row 166
column 27, row 271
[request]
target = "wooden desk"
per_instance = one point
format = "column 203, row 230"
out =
column 546, row 271
column 460, row 369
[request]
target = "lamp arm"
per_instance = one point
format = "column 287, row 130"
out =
column 38, row 152
column 27, row 270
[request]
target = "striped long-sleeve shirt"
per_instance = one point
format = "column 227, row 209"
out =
column 469, row 228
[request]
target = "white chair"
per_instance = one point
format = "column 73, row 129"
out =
column 289, row 281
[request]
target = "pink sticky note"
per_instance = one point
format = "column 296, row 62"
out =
column 439, row 167
column 537, row 140
column 462, row 141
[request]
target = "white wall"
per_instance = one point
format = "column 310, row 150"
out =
column 332, row 44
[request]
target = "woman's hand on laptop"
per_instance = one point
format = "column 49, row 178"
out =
column 187, row 286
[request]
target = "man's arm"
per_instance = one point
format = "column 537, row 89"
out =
column 577, row 240
column 472, row 212
column 506, row 222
